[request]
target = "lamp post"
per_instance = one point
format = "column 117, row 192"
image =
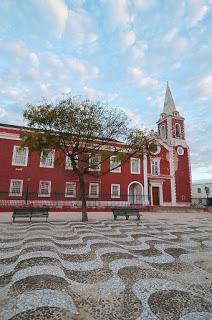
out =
column 27, row 188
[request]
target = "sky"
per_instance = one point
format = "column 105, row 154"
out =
column 120, row 52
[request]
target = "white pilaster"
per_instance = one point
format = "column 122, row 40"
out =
column 145, row 179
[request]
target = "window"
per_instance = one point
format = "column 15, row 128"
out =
column 163, row 132
column 47, row 159
column 20, row 156
column 94, row 162
column 155, row 167
column 135, row 165
column 16, row 187
column 115, row 190
column 93, row 190
column 199, row 190
column 70, row 190
column 45, row 189
column 177, row 130
column 68, row 164
column 114, row 162
column 200, row 201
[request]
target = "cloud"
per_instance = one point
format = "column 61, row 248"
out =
column 205, row 85
column 143, row 4
column 82, row 68
column 128, row 39
column 118, row 12
column 79, row 29
column 175, row 41
column 197, row 11
column 18, row 51
column 144, row 81
column 138, row 50
column 94, row 94
column 55, row 13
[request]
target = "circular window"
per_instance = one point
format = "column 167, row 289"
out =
column 180, row 151
column 154, row 148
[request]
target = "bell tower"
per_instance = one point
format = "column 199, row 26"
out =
column 171, row 123
column 171, row 132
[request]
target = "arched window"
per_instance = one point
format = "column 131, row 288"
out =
column 163, row 131
column 177, row 130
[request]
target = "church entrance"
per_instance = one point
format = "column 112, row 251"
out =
column 155, row 196
column 135, row 193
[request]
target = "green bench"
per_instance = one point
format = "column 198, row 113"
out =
column 30, row 212
column 126, row 212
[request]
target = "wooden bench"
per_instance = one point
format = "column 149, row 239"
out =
column 126, row 212
column 30, row 212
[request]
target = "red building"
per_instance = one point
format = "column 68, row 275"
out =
column 161, row 178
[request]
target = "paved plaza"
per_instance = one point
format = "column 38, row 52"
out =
column 156, row 268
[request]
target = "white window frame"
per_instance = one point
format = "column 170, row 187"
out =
column 90, row 186
column 66, row 163
column 53, row 157
column 117, row 170
column 131, row 166
column 158, row 164
column 49, row 189
column 119, row 188
column 15, row 148
column 163, row 129
column 75, row 189
column 178, row 124
column 94, row 169
column 21, row 188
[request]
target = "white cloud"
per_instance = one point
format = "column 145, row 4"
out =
column 94, row 94
column 79, row 29
column 143, row 4
column 175, row 41
column 118, row 12
column 55, row 13
column 138, row 50
column 18, row 51
column 169, row 36
column 82, row 68
column 197, row 11
column 142, row 79
column 3, row 112
column 205, row 85
column 128, row 39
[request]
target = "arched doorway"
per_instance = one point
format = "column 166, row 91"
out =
column 135, row 193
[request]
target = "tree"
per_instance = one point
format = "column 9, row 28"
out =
column 87, row 133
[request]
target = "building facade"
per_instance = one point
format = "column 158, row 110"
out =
column 202, row 194
column 161, row 178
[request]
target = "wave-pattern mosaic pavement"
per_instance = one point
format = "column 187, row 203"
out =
column 148, row 269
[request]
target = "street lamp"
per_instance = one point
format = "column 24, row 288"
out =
column 28, row 179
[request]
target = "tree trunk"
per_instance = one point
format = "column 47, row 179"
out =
column 83, row 198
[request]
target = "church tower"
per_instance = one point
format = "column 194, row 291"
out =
column 172, row 132
column 171, row 123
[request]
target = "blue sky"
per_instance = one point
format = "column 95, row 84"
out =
column 121, row 52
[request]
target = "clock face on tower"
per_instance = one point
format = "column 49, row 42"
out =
column 180, row 151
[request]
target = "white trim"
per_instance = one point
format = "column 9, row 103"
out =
column 160, row 186
column 175, row 131
column 21, row 188
column 14, row 156
column 9, row 136
column 158, row 166
column 49, row 189
column 90, row 185
column 53, row 157
column 146, row 192
column 172, row 174
column 111, row 190
column 139, row 165
column 135, row 182
column 75, row 189
column 117, row 170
